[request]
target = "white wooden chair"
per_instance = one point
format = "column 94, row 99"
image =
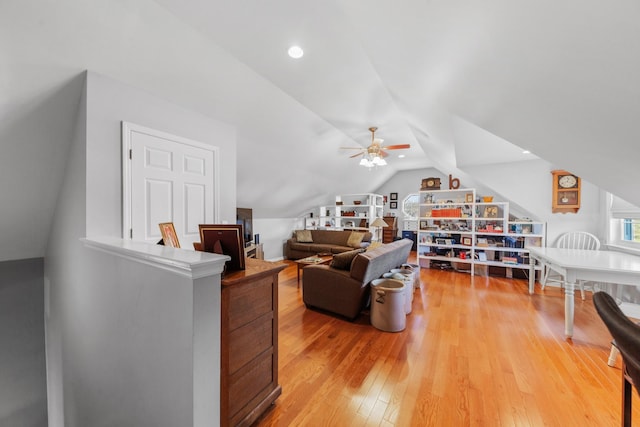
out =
column 571, row 240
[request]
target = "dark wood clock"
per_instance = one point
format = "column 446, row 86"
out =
column 431, row 183
column 565, row 192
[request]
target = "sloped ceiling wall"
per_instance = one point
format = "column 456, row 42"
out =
column 557, row 78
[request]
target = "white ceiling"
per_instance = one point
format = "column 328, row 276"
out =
column 458, row 80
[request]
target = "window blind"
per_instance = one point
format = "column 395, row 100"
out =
column 622, row 209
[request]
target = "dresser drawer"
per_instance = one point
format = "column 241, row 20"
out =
column 250, row 301
column 248, row 341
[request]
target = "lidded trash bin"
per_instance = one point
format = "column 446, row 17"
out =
column 387, row 305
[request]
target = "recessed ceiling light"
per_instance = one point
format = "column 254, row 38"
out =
column 401, row 156
column 526, row 152
column 295, row 52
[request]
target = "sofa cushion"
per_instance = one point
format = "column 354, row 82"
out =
column 304, row 236
column 355, row 239
column 331, row 237
column 343, row 260
column 374, row 245
column 301, row 247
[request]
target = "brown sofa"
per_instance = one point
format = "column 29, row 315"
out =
column 346, row 292
column 329, row 241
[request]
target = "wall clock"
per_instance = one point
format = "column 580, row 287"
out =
column 430, row 184
column 565, row 192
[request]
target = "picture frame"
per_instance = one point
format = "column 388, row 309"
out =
column 169, row 235
column 393, row 205
column 466, row 240
column 393, row 196
column 225, row 239
column 490, row 211
column 468, row 198
column 423, row 224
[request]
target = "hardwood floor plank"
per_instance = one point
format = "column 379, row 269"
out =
column 476, row 351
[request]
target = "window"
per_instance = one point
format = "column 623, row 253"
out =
column 631, row 230
column 624, row 223
column 411, row 206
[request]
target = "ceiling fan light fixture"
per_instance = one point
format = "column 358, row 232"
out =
column 379, row 161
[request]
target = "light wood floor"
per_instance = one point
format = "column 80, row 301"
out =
column 476, row 351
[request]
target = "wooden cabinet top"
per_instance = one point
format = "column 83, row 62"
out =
column 254, row 269
column 391, row 221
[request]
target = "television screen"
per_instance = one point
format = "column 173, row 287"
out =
column 244, row 217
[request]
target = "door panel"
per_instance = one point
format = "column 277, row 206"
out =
column 167, row 179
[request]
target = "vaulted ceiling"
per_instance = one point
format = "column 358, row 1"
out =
column 455, row 79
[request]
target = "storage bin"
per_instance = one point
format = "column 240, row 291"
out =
column 387, row 305
column 415, row 268
column 406, row 277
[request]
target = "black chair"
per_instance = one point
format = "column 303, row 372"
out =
column 627, row 337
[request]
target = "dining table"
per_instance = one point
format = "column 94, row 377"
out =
column 603, row 266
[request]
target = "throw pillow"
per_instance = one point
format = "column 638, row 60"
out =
column 355, row 238
column 374, row 245
column 343, row 260
column 304, row 236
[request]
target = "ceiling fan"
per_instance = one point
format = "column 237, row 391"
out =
column 375, row 153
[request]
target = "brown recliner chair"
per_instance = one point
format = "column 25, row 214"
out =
column 627, row 337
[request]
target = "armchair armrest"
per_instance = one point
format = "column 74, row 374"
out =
column 333, row 290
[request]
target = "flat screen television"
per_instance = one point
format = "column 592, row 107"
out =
column 244, row 217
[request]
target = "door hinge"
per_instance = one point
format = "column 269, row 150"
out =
column 131, row 233
column 130, row 154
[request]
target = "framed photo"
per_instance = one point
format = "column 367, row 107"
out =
column 468, row 198
column 169, row 236
column 423, row 225
column 490, row 212
column 393, row 205
column 466, row 240
column 393, row 196
column 225, row 239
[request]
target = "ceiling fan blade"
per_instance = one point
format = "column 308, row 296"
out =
column 356, row 155
column 351, row 148
column 383, row 154
column 397, row 147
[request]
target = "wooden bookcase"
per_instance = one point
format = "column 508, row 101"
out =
column 391, row 230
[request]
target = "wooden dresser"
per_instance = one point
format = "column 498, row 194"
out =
column 391, row 231
column 249, row 348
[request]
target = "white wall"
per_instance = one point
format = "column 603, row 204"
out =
column 525, row 185
column 274, row 232
column 109, row 103
column 405, row 183
column 119, row 348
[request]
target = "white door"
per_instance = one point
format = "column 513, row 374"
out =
column 166, row 179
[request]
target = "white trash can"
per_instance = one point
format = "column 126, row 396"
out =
column 387, row 305
column 407, row 278
column 415, row 268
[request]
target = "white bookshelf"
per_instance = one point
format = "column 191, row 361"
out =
column 471, row 235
